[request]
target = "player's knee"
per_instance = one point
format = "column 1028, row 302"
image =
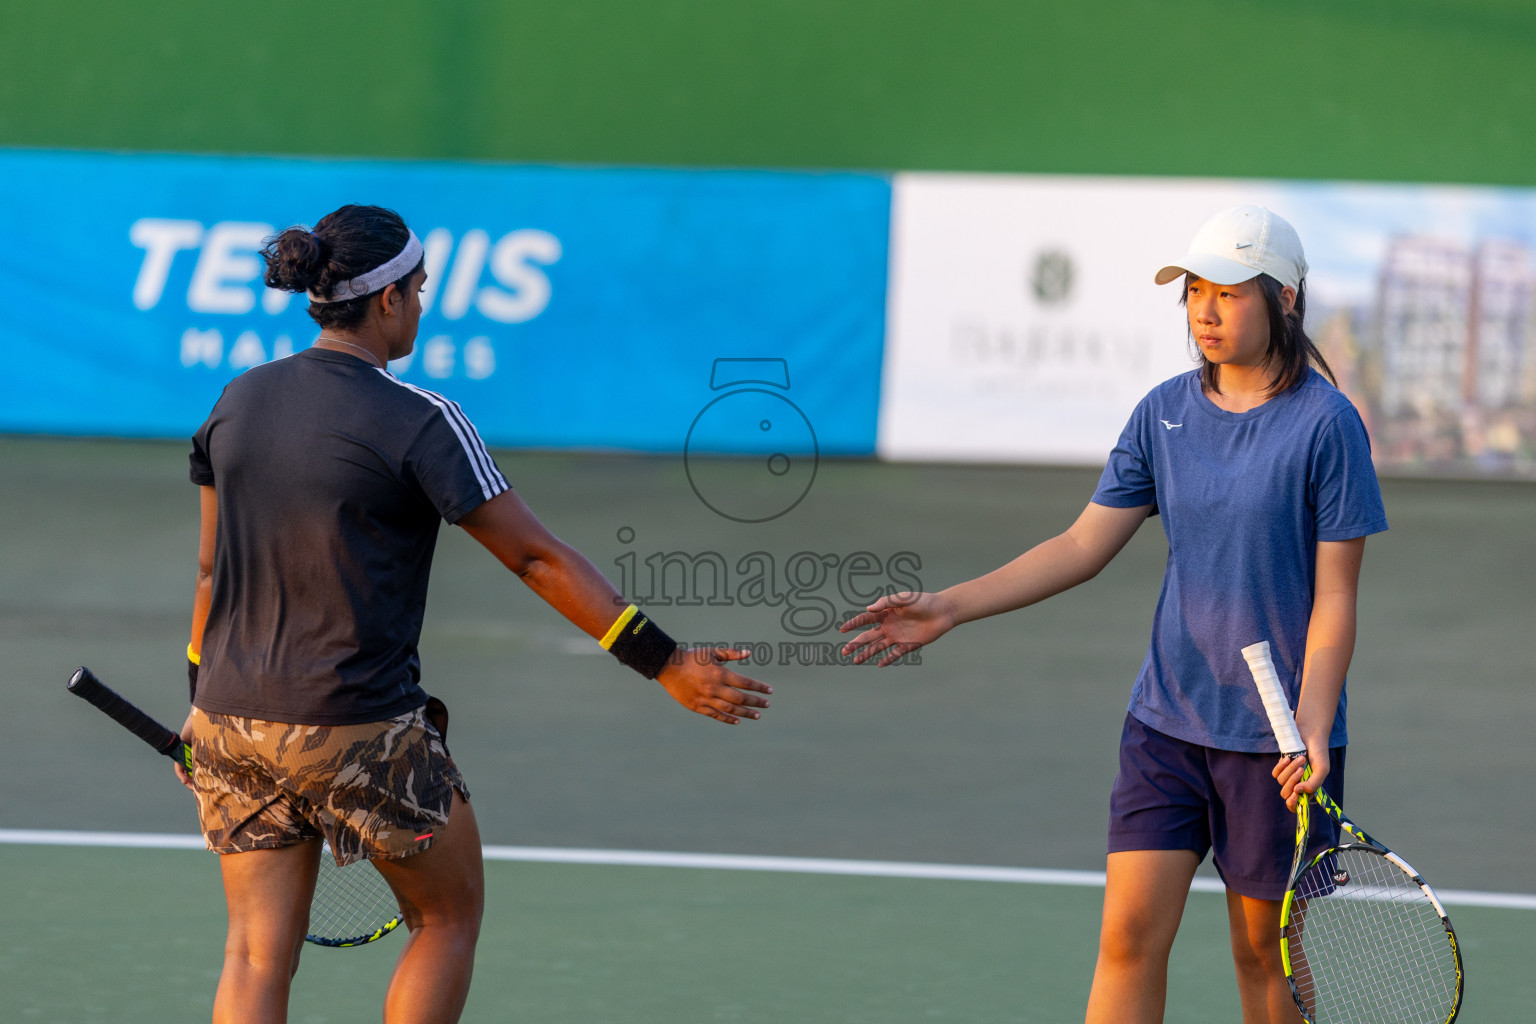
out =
column 1256, row 957
column 460, row 931
column 264, row 945
column 1133, row 941
column 266, row 960
column 459, row 919
column 457, row 908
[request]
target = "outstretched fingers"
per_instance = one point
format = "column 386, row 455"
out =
column 897, row 652
column 861, row 619
column 721, row 654
column 877, row 612
column 740, row 692
column 730, row 705
column 873, row 643
column 891, row 651
column 730, row 696
column 863, row 640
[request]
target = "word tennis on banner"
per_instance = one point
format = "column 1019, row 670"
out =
column 226, row 280
column 563, row 307
column 226, row 274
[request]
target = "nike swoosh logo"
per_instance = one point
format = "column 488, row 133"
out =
column 1241, row 245
column 1170, row 426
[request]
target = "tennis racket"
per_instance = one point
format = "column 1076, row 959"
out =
column 351, row 905
column 1362, row 937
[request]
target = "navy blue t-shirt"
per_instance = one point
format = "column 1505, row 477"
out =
column 1244, row 499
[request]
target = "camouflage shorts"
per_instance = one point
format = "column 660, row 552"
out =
column 374, row 791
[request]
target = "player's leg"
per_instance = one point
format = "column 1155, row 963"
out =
column 268, row 892
column 268, row 888
column 442, row 898
column 1144, row 898
column 1254, row 841
column 392, row 794
column 1261, row 984
column 1158, row 834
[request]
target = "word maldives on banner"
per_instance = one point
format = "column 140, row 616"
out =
column 1024, row 325
column 563, row 307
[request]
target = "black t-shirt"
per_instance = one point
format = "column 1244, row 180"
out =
column 332, row 478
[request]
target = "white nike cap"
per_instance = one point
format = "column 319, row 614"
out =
column 1238, row 245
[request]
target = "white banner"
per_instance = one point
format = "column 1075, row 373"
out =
column 1024, row 326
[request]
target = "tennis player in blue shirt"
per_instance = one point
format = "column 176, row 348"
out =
column 1260, row 470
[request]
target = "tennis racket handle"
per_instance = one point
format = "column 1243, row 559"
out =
column 85, row 684
column 1273, row 694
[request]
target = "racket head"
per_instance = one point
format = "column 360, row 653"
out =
column 1363, row 939
column 352, row 905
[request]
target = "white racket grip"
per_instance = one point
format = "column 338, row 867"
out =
column 1273, row 695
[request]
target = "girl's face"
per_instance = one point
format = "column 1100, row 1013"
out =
column 408, row 308
column 1230, row 322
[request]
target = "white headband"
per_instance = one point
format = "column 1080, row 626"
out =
column 377, row 278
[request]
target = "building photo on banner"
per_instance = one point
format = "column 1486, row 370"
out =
column 1024, row 323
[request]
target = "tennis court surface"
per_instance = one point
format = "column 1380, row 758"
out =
column 997, row 750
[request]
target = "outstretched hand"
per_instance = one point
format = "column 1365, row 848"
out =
column 699, row 681
column 899, row 624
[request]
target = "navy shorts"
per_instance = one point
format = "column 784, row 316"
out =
column 1175, row 795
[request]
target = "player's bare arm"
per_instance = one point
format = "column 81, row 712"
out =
column 901, row 623
column 202, row 596
column 569, row 582
column 1330, row 646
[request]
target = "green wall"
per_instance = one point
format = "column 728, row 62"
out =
column 1365, row 89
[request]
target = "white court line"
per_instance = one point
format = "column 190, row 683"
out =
column 735, row 862
column 141, row 840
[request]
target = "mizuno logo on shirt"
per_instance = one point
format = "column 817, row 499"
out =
column 1170, row 426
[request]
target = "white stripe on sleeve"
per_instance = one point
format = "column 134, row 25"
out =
column 487, row 475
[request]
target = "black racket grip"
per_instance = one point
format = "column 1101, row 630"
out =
column 85, row 684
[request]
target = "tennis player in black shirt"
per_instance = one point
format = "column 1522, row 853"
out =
column 323, row 480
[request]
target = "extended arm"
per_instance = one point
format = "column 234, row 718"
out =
column 1048, row 568
column 573, row 586
column 551, row 568
column 1330, row 645
column 901, row 623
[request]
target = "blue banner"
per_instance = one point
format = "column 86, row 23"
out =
column 564, row 308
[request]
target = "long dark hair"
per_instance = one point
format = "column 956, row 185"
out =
column 351, row 241
column 1290, row 349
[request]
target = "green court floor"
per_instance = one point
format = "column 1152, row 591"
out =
column 997, row 749
column 135, row 936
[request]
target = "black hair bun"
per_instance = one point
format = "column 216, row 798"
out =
column 296, row 260
column 349, row 241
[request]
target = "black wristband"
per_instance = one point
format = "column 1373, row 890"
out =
column 191, row 680
column 639, row 643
